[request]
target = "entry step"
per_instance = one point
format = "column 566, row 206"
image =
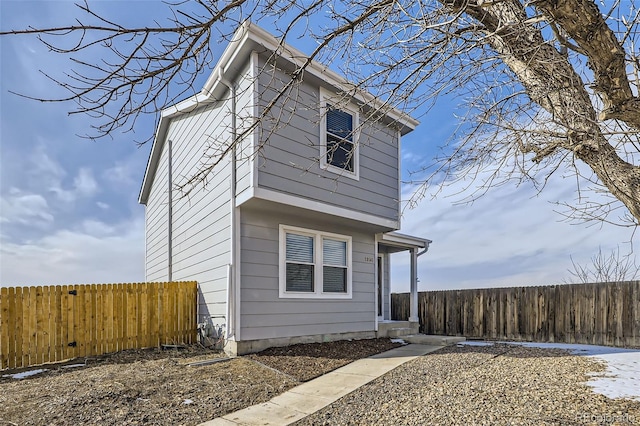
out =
column 427, row 339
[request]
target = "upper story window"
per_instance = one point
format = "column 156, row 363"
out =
column 314, row 264
column 338, row 138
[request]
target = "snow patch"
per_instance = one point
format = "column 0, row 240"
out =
column 25, row 374
column 401, row 341
column 74, row 365
column 621, row 378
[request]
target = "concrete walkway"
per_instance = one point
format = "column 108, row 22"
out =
column 307, row 398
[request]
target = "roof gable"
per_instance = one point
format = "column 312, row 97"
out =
column 247, row 38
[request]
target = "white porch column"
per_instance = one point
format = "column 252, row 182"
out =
column 413, row 296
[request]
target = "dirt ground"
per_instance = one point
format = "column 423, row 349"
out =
column 159, row 387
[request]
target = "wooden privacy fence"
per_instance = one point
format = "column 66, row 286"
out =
column 600, row 313
column 56, row 323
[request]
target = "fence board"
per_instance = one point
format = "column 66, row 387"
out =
column 71, row 329
column 107, row 319
column 55, row 330
column 4, row 327
column 173, row 304
column 11, row 296
column 78, row 320
column 90, row 330
column 598, row 313
column 40, row 324
column 139, row 337
column 182, row 310
column 100, row 340
column 119, row 316
column 153, row 315
column 130, row 315
column 48, row 329
column 18, row 333
column 39, row 353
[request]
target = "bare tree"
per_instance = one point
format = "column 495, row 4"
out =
column 546, row 86
column 612, row 268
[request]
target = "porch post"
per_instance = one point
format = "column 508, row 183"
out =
column 413, row 296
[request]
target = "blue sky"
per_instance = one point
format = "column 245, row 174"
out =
column 69, row 212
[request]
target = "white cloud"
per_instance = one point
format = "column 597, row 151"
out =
column 410, row 158
column 84, row 183
column 48, row 173
column 103, row 206
column 23, row 208
column 122, row 173
column 509, row 237
column 43, row 166
column 95, row 253
column 97, row 228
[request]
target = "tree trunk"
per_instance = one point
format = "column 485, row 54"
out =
column 551, row 82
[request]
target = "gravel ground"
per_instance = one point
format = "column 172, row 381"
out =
column 157, row 387
column 482, row 385
column 306, row 362
column 467, row 385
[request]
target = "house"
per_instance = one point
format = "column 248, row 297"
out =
column 288, row 232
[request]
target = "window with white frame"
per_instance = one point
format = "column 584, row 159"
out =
column 338, row 138
column 314, row 264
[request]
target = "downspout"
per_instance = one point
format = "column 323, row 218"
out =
column 170, row 214
column 232, row 281
column 426, row 249
column 413, row 296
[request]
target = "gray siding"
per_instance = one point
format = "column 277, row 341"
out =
column 201, row 208
column 201, row 217
column 265, row 315
column 156, row 230
column 290, row 156
column 245, row 110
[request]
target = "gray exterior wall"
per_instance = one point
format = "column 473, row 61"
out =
column 245, row 152
column 289, row 161
column 201, row 220
column 201, row 217
column 156, row 230
column 263, row 314
column 282, row 155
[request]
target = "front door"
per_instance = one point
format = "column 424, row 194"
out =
column 380, row 287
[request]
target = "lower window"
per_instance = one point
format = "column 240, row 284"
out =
column 314, row 263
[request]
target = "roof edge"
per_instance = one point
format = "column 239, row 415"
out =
column 404, row 240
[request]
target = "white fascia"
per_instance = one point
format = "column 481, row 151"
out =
column 403, row 240
column 305, row 203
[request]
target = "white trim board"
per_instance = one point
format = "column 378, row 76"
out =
column 318, row 262
column 305, row 203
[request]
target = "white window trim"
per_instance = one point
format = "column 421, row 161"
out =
column 318, row 262
column 328, row 97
